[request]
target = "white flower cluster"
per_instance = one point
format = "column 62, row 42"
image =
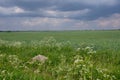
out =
column 16, row 44
column 88, row 50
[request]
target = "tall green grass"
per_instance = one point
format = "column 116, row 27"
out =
column 66, row 60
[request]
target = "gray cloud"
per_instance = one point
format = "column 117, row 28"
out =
column 38, row 23
column 60, row 13
column 32, row 8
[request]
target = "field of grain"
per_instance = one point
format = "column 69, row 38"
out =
column 72, row 55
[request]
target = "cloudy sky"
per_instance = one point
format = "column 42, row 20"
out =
column 59, row 14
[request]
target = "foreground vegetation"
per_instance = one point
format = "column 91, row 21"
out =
column 93, row 58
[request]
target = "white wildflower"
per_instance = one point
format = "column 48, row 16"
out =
column 78, row 49
column 17, row 44
column 37, row 71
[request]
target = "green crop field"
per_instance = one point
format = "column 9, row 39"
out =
column 72, row 55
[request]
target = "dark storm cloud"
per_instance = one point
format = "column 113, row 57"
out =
column 38, row 8
column 59, row 14
column 29, row 4
column 34, row 5
column 103, row 11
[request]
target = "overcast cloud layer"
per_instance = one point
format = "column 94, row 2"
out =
column 59, row 14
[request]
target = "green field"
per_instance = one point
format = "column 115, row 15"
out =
column 63, row 49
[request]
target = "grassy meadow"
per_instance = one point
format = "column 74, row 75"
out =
column 72, row 55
